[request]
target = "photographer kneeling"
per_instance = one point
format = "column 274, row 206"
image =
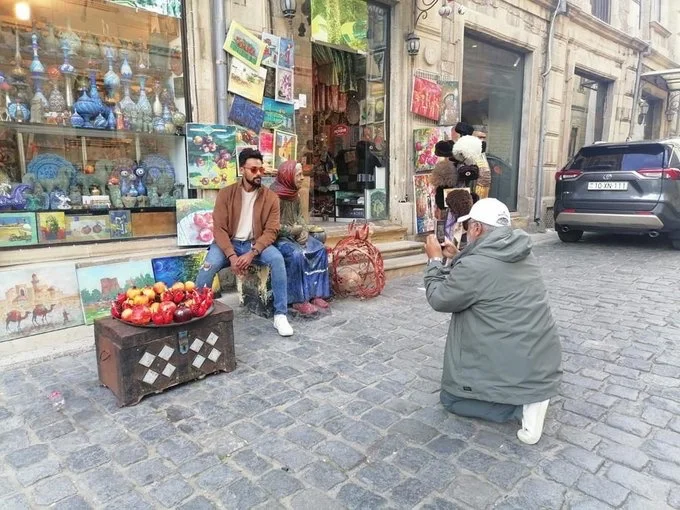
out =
column 503, row 354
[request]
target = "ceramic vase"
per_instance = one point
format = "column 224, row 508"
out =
column 68, row 71
column 86, row 108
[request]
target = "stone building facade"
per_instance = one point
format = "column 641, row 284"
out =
column 598, row 58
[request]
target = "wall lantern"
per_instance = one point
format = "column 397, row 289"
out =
column 673, row 105
column 288, row 8
column 22, row 11
column 644, row 108
column 412, row 44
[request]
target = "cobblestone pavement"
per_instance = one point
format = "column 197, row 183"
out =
column 346, row 414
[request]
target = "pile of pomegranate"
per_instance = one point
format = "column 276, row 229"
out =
column 160, row 305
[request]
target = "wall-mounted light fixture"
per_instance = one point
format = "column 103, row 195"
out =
column 22, row 11
column 412, row 44
column 643, row 106
column 288, row 8
column 673, row 105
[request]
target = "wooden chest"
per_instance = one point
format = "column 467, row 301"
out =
column 134, row 362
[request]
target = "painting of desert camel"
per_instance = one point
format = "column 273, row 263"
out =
column 38, row 300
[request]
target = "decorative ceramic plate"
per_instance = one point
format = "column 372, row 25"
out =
column 156, row 165
column 353, row 111
column 47, row 166
column 171, row 325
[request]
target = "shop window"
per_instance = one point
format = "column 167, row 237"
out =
column 601, row 9
column 493, row 83
column 93, row 107
column 347, row 152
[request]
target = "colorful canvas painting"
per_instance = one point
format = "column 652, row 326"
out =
column 180, row 268
column 87, row 227
column 286, row 53
column 247, row 82
column 51, row 227
column 271, row 50
column 424, row 140
column 379, row 110
column 244, row 45
column 376, row 204
column 245, row 136
column 426, row 98
column 266, row 147
column 100, row 284
column 425, row 203
column 285, row 147
column 211, row 155
column 278, row 115
column 284, row 85
column 270, row 83
column 449, row 108
column 246, row 114
column 18, row 229
column 194, row 221
column 120, row 224
column 342, row 23
column 39, row 299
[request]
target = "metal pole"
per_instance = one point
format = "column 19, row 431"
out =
column 219, row 33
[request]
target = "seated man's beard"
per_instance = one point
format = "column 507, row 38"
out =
column 255, row 182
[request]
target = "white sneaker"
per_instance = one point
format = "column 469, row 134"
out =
column 533, row 416
column 282, row 326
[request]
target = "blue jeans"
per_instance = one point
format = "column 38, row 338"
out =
column 216, row 260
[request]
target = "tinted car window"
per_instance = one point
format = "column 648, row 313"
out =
column 608, row 159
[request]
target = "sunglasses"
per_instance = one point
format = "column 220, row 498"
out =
column 255, row 169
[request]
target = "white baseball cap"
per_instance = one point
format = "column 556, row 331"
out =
column 490, row 212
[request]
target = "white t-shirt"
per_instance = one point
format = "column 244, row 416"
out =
column 244, row 232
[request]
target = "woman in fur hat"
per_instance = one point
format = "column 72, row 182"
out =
column 305, row 257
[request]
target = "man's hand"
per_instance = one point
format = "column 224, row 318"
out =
column 449, row 249
column 302, row 238
column 432, row 247
column 244, row 261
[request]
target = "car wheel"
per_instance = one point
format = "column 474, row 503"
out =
column 570, row 236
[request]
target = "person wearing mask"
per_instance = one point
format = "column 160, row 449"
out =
column 246, row 222
column 502, row 356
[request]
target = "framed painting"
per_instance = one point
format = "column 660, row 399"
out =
column 87, row 227
column 426, row 97
column 285, row 147
column 38, row 300
column 278, row 115
column 376, row 204
column 424, row 140
column 449, row 106
column 286, row 53
column 180, row 268
column 243, row 45
column 120, row 224
column 271, row 50
column 211, row 155
column 425, row 204
column 18, row 229
column 99, row 284
column 284, row 85
column 194, row 221
column 246, row 113
column 247, row 82
column 51, row 227
column 375, row 66
column 266, row 148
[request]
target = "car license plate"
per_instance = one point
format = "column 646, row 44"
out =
column 607, row 186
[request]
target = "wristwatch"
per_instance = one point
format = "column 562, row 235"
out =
column 434, row 259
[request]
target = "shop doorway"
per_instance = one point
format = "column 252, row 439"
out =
column 493, row 86
column 588, row 104
column 348, row 150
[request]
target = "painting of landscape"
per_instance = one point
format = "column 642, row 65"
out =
column 39, row 300
column 99, row 284
column 180, row 268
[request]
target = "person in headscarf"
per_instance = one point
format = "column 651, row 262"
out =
column 305, row 256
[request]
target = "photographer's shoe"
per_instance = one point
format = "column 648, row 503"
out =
column 533, row 416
